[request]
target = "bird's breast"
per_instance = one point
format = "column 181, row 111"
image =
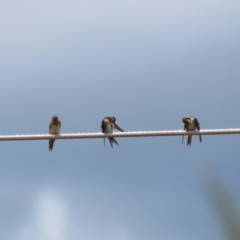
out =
column 55, row 129
column 108, row 127
column 191, row 126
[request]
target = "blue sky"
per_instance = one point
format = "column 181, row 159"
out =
column 148, row 63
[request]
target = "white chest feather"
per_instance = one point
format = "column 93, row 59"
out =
column 191, row 126
column 54, row 129
column 108, row 127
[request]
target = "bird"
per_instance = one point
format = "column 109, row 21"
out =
column 191, row 124
column 108, row 125
column 54, row 129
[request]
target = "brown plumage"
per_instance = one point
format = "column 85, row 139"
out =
column 54, row 129
column 191, row 124
column 108, row 125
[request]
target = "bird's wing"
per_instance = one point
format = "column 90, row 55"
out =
column 50, row 126
column 103, row 126
column 117, row 127
column 198, row 128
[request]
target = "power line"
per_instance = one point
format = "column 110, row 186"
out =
column 119, row 134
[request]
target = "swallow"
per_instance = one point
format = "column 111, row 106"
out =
column 191, row 124
column 54, row 129
column 108, row 125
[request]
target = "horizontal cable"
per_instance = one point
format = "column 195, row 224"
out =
column 119, row 134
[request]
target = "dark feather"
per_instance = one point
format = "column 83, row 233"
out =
column 112, row 140
column 51, row 143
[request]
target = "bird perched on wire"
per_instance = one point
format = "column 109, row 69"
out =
column 191, row 124
column 108, row 125
column 54, row 129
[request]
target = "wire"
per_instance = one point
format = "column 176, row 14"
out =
column 119, row 134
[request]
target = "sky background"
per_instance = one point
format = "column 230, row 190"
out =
column 149, row 64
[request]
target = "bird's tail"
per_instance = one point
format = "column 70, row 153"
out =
column 189, row 140
column 51, row 142
column 112, row 140
column 182, row 138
